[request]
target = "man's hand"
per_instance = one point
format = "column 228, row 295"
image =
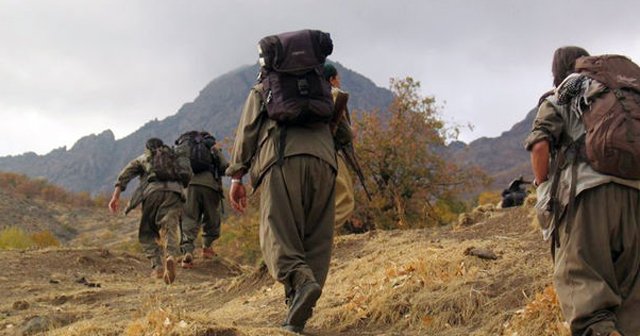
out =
column 114, row 203
column 238, row 197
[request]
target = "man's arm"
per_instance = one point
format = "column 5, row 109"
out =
column 220, row 160
column 130, row 171
column 114, row 203
column 540, row 161
column 547, row 129
column 245, row 148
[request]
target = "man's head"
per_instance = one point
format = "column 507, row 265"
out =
column 154, row 143
column 564, row 61
column 331, row 75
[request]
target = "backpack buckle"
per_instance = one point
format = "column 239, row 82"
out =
column 303, row 86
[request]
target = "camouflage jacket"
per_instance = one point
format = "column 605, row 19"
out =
column 140, row 167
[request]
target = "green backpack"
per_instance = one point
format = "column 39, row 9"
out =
column 168, row 166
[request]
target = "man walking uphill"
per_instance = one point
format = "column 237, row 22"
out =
column 590, row 193
column 203, row 194
column 162, row 174
column 285, row 144
column 343, row 137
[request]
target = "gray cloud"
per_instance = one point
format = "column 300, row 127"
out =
column 70, row 68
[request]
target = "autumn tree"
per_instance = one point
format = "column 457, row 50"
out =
column 402, row 153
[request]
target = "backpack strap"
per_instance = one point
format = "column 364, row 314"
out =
column 556, row 167
column 281, row 143
column 567, row 157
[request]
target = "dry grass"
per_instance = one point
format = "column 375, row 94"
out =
column 14, row 238
column 426, row 288
column 413, row 282
column 44, row 239
column 489, row 197
column 541, row 316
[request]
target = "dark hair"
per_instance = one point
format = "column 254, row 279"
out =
column 329, row 71
column 154, row 143
column 564, row 61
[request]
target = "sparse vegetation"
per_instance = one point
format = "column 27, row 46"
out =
column 418, row 282
column 489, row 197
column 402, row 153
column 24, row 186
column 239, row 239
column 541, row 316
column 44, row 239
column 16, row 238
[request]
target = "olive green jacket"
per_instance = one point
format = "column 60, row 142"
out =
column 557, row 125
column 255, row 147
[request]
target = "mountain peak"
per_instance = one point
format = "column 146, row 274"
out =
column 92, row 141
column 94, row 161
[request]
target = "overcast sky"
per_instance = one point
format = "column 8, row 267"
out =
column 72, row 68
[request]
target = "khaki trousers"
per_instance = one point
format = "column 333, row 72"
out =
column 158, row 233
column 297, row 215
column 597, row 266
column 345, row 201
column 202, row 209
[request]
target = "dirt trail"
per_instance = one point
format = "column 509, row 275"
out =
column 419, row 282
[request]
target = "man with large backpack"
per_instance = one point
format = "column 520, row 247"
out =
column 204, row 194
column 585, row 152
column 284, row 143
column 163, row 173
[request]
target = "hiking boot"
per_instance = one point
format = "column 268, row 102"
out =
column 208, row 253
column 603, row 328
column 157, row 272
column 169, row 270
column 187, row 261
column 302, row 305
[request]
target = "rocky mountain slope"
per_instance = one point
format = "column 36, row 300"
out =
column 502, row 157
column 95, row 160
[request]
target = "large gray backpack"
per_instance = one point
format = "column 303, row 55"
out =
column 294, row 90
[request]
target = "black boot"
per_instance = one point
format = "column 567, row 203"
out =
column 301, row 307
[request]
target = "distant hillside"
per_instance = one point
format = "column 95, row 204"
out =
column 503, row 157
column 95, row 160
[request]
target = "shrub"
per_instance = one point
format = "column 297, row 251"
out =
column 44, row 239
column 24, row 186
column 15, row 238
column 402, row 156
column 489, row 197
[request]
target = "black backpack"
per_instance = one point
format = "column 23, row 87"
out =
column 294, row 90
column 199, row 148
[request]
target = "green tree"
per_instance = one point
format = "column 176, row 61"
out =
column 402, row 153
